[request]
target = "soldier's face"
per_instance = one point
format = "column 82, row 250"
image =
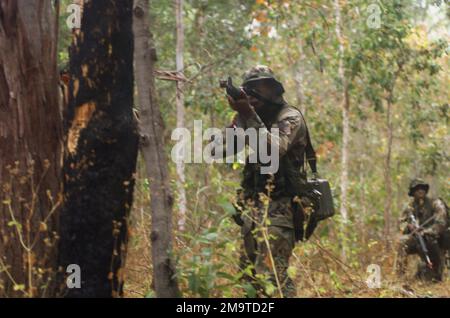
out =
column 263, row 88
column 256, row 103
column 420, row 194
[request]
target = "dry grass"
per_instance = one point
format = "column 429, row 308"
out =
column 319, row 272
column 317, row 265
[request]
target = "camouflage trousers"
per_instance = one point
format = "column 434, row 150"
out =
column 269, row 264
column 409, row 245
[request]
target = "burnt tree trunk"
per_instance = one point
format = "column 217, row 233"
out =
column 30, row 148
column 101, row 149
column 151, row 128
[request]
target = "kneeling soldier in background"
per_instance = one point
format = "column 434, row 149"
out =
column 425, row 233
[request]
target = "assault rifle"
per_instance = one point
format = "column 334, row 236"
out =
column 235, row 92
column 420, row 239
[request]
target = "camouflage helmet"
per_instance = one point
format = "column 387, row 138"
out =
column 416, row 183
column 262, row 72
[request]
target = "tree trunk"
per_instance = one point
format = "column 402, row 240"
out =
column 345, row 122
column 387, row 171
column 362, row 203
column 30, row 148
column 151, row 128
column 182, row 204
column 101, row 149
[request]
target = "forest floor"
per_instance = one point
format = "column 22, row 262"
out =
column 319, row 272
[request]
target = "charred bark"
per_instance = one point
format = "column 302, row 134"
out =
column 101, row 149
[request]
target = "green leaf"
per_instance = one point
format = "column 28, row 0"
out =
column 18, row 287
column 292, row 272
column 211, row 236
column 226, row 276
column 249, row 290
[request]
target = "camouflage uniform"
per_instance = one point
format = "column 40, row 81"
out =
column 431, row 214
column 279, row 209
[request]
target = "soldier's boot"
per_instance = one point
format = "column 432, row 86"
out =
column 438, row 258
column 287, row 284
column 422, row 272
column 426, row 274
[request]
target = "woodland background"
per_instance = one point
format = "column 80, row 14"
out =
column 375, row 96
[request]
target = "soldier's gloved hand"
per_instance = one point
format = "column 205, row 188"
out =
column 241, row 105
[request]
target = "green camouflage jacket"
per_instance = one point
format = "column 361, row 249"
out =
column 291, row 142
column 432, row 211
column 292, row 133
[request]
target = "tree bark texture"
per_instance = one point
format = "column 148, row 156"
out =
column 101, row 149
column 156, row 161
column 30, row 148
